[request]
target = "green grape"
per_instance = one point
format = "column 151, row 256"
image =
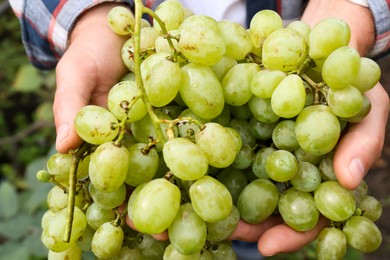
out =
column 341, row 67
column 108, row 200
column 155, row 206
column 54, row 231
column 223, row 66
column 261, row 131
column 234, row 180
column 97, row 215
column 258, row 166
column 188, row 231
column 262, row 110
column 185, row 159
column 57, row 199
column 161, row 80
column 171, row 12
column 345, row 102
column 148, row 38
column 59, row 164
column 331, row 244
column 244, row 157
column 298, row 210
column 283, row 135
column 328, row 35
column 334, row 201
column 303, row 156
column 85, row 240
column 258, row 201
column 309, row 94
column 162, row 44
column 284, row 49
column 120, row 96
column 241, row 112
column 368, row 75
column 46, row 217
column 221, row 230
column 199, row 21
column 103, row 174
column 73, row 252
column 222, row 251
column 43, row 176
column 308, row 177
column 289, row 97
column 281, row 165
column 127, row 54
column 143, row 164
column 206, row 100
column 188, row 129
column 237, row 41
column 107, row 241
column 236, row 83
column 326, row 167
column 362, row 234
column 361, row 191
column 265, row 81
column 151, row 248
column 121, row 20
column 301, row 27
column 210, row 199
column 317, row 129
column 217, row 144
column 96, row 125
column 365, row 109
column 173, row 110
column 371, row 207
column 242, row 127
column 171, row 253
column 224, row 117
column 262, row 24
column 128, row 253
column 205, row 255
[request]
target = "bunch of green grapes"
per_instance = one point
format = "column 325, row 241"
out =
column 214, row 124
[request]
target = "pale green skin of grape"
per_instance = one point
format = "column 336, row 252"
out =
column 201, row 90
column 151, row 248
column 148, row 38
column 224, row 117
column 317, row 129
column 183, row 129
column 46, row 218
column 57, row 199
column 262, row 24
column 241, row 112
column 368, row 76
column 326, row 167
column 258, row 201
column 234, row 180
column 73, row 252
column 155, row 206
column 326, row 36
column 84, row 241
column 237, row 41
column 345, row 102
column 125, row 91
column 366, row 108
column 171, row 253
column 133, row 199
column 298, row 210
column 185, row 159
column 224, row 251
column 281, row 165
column 262, row 131
column 188, row 231
column 107, row 241
column 334, row 201
column 258, row 166
column 262, row 110
column 303, row 156
column 54, row 231
column 301, row 27
column 289, row 97
column 108, row 200
column 142, row 167
column 284, row 50
column 236, row 83
column 121, row 20
column 128, row 253
column 244, row 158
column 162, row 45
column 59, row 164
column 243, row 128
column 371, row 207
column 127, row 54
column 265, row 81
column 199, row 20
column 283, row 135
column 217, row 144
column 331, row 244
column 221, row 230
column 94, row 125
column 223, row 66
column 308, row 177
column 210, row 199
column 341, row 67
column 171, row 13
column 104, row 175
column 96, row 215
column 362, row 234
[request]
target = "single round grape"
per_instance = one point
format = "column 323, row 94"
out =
column 334, row 201
column 210, row 199
column 298, row 209
column 345, row 102
column 261, row 131
column 362, row 234
column 96, row 125
column 303, row 156
column 73, row 252
column 85, row 240
column 368, row 75
column 43, row 176
column 221, row 230
column 244, row 157
column 57, row 199
column 241, row 112
column 59, row 164
column 283, row 135
column 258, row 201
column 234, row 180
column 185, row 159
column 108, row 200
column 199, row 20
column 97, row 216
column 365, row 109
column 281, row 165
column 222, row 250
column 262, row 110
column 243, row 129
column 301, row 27
column 121, row 20
column 171, row 253
column 127, row 54
column 331, row 244
column 371, row 207
column 107, row 240
column 262, row 24
column 308, row 177
column 171, row 13
column 189, row 128
column 258, row 166
column 150, row 247
column 223, row 66
column 265, row 81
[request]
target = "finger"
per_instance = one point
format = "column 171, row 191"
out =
column 252, row 232
column 362, row 144
column 283, row 239
column 162, row 236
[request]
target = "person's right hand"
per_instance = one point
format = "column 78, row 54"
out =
column 89, row 68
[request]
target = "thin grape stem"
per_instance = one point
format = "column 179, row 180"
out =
column 137, row 70
column 76, row 156
column 122, row 127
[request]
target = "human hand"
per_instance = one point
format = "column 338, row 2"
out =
column 89, row 68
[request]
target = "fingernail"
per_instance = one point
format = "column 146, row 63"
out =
column 357, row 169
column 62, row 133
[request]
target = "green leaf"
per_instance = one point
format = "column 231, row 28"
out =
column 16, row 227
column 9, row 203
column 27, row 79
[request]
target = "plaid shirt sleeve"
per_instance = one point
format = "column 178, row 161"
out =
column 46, row 24
column 381, row 12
